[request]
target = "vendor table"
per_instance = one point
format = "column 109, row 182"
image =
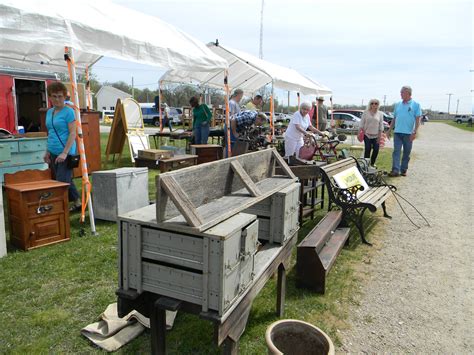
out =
column 178, row 134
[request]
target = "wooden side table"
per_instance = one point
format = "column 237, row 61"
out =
column 37, row 209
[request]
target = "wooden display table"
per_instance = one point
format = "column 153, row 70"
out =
column 177, row 162
column 37, row 209
column 207, row 152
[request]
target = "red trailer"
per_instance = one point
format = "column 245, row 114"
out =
column 22, row 94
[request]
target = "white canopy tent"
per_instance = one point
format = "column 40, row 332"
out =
column 248, row 73
column 33, row 34
column 37, row 34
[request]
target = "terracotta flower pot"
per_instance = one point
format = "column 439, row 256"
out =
column 294, row 337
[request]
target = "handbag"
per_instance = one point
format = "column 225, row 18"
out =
column 72, row 160
column 308, row 150
column 360, row 135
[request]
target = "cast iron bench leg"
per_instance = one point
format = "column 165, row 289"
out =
column 385, row 214
column 281, row 290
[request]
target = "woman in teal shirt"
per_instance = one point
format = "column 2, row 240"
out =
column 201, row 118
column 61, row 125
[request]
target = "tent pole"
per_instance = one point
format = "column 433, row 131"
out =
column 272, row 113
column 88, row 90
column 160, row 84
column 227, row 120
column 86, row 185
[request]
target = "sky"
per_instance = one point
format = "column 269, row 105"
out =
column 360, row 49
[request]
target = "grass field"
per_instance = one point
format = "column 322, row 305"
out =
column 463, row 126
column 47, row 295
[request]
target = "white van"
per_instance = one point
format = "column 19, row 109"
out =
column 151, row 115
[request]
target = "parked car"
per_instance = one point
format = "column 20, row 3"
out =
column 346, row 120
column 462, row 118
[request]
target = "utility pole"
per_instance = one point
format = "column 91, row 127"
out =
column 384, row 99
column 288, row 102
column 362, row 103
column 133, row 90
column 457, row 106
column 260, row 52
column 449, row 101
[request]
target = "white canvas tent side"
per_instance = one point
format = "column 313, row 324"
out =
column 37, row 34
column 248, row 73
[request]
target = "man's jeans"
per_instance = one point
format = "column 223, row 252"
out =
column 401, row 140
column 201, row 133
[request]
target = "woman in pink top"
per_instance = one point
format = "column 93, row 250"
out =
column 372, row 124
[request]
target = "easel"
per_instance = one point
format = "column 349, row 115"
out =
column 127, row 124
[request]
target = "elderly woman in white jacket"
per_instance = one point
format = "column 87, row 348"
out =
column 298, row 129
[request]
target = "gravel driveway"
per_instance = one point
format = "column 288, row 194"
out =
column 417, row 293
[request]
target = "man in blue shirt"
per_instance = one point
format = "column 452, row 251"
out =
column 405, row 125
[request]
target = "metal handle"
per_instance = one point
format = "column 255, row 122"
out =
column 45, row 195
column 44, row 209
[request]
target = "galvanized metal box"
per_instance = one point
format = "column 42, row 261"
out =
column 211, row 268
column 278, row 214
column 119, row 191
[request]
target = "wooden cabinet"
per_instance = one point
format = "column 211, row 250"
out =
column 37, row 209
column 207, row 152
column 91, row 136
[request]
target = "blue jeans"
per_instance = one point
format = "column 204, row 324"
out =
column 371, row 145
column 64, row 174
column 401, row 140
column 201, row 133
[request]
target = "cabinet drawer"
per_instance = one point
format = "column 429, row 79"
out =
column 33, row 145
column 11, row 146
column 47, row 208
column 24, row 159
column 45, row 195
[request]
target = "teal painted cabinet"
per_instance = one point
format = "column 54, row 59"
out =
column 18, row 154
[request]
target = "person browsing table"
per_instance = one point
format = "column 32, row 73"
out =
column 298, row 129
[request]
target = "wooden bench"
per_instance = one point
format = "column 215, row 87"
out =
column 318, row 251
column 346, row 190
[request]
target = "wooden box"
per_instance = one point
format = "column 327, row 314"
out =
column 207, row 152
column 210, row 268
column 37, row 209
column 177, row 162
column 278, row 214
column 155, row 154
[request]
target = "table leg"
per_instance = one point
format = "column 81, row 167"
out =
column 281, row 290
column 158, row 330
column 230, row 347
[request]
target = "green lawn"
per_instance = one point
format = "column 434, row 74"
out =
column 47, row 295
column 463, row 126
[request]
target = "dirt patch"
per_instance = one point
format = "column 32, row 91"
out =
column 418, row 293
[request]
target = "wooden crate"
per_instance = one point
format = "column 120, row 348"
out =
column 210, row 268
column 155, row 154
column 278, row 214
